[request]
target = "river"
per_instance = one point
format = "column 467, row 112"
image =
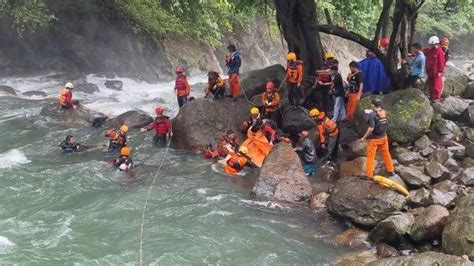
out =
column 63, row 209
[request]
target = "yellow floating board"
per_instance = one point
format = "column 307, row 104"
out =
column 391, row 184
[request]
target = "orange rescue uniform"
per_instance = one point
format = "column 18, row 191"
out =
column 378, row 140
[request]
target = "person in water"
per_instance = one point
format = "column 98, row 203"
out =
column 234, row 162
column 162, row 126
column 65, row 97
column 124, row 162
column 69, row 145
column 117, row 140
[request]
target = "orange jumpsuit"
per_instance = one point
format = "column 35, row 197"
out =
column 355, row 90
column 378, row 140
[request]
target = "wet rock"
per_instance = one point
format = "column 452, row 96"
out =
column 444, row 193
column 327, row 172
column 71, row 117
column 355, row 167
column 469, row 92
column 407, row 158
column 133, row 119
column 469, row 148
column 458, row 235
column 282, row 177
column 455, row 81
column 427, row 151
column 440, row 156
column 355, row 149
column 429, row 223
column 86, row 88
column 469, row 134
column 35, row 93
column 318, row 201
column 114, row 84
column 386, row 251
column 363, row 202
column 422, row 143
column 419, row 198
column 468, row 115
column 452, row 165
column 437, row 171
column 444, row 131
column 253, row 82
column 358, row 258
column 409, row 113
column 451, row 107
column 413, row 177
column 7, row 90
column 425, row 258
column 393, row 228
column 468, row 162
column 352, row 237
column 466, row 177
column 202, row 121
column 296, row 119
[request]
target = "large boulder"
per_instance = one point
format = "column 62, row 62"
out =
column 363, row 202
column 468, row 115
column 253, row 82
column 455, row 81
column 444, row 131
column 89, row 88
column 409, row 113
column 202, row 121
column 458, row 235
column 393, row 228
column 73, row 117
column 466, row 177
column 133, row 119
column 429, row 223
column 295, row 119
column 425, row 258
column 355, row 149
column 7, row 90
column 114, row 84
column 355, row 167
column 35, row 94
column 413, row 177
column 282, row 178
column 451, row 107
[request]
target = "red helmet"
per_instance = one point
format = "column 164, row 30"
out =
column 180, row 69
column 444, row 42
column 384, row 42
column 159, row 111
column 270, row 85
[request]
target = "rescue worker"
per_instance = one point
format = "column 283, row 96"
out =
column 328, row 133
column 271, row 102
column 338, row 91
column 417, row 66
column 117, row 140
column 384, row 43
column 233, row 62
column 356, row 87
column 377, row 136
column 444, row 43
column 228, row 143
column 294, row 78
column 162, row 126
column 65, row 97
column 234, row 162
column 124, row 162
column 322, row 85
column 267, row 129
column 435, row 64
column 253, row 118
column 307, row 153
column 70, row 145
column 215, row 85
column 330, row 60
column 181, row 87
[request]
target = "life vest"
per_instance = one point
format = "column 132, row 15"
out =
column 161, row 127
column 124, row 163
column 273, row 99
column 330, row 127
column 381, row 123
column 236, row 162
column 354, row 83
column 180, row 85
column 62, row 96
column 325, row 76
column 293, row 72
column 115, row 137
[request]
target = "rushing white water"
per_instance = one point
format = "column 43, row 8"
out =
column 12, row 158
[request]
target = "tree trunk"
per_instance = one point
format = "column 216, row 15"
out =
column 298, row 21
column 382, row 23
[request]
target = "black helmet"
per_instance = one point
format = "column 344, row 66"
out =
column 377, row 102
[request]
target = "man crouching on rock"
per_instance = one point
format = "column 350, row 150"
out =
column 307, row 153
column 377, row 135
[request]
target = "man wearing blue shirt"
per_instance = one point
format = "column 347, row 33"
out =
column 417, row 66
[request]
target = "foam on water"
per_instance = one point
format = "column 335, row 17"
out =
column 12, row 158
column 4, row 242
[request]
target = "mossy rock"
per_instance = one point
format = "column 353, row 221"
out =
column 409, row 113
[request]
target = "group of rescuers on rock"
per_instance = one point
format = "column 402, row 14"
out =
column 265, row 119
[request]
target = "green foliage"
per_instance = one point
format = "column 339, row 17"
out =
column 26, row 16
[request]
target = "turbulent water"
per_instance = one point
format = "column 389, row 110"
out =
column 59, row 209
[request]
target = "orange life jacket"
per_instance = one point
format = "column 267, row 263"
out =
column 181, row 85
column 294, row 72
column 236, row 162
column 273, row 98
column 328, row 127
column 62, row 96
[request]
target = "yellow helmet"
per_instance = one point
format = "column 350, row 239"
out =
column 329, row 54
column 291, row 56
column 124, row 128
column 254, row 111
column 125, row 151
column 314, row 112
column 243, row 149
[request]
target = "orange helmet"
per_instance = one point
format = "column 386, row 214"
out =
column 384, row 42
column 444, row 42
column 125, row 151
column 270, row 86
column 159, row 111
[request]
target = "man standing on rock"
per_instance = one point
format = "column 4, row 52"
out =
column 435, row 64
column 294, row 78
column 181, row 87
column 377, row 135
column 233, row 61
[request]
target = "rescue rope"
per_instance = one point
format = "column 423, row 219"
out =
column 145, row 205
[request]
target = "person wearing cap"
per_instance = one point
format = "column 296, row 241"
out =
column 117, row 139
column 271, row 102
column 181, row 87
column 252, row 120
column 65, row 97
column 378, row 140
column 124, row 162
column 435, row 64
column 328, row 133
column 307, row 153
column 330, row 60
column 233, row 62
column 356, row 88
column 215, row 85
column 162, row 126
column 294, row 78
column 416, row 65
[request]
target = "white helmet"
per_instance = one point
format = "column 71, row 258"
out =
column 433, row 40
column 69, row 85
